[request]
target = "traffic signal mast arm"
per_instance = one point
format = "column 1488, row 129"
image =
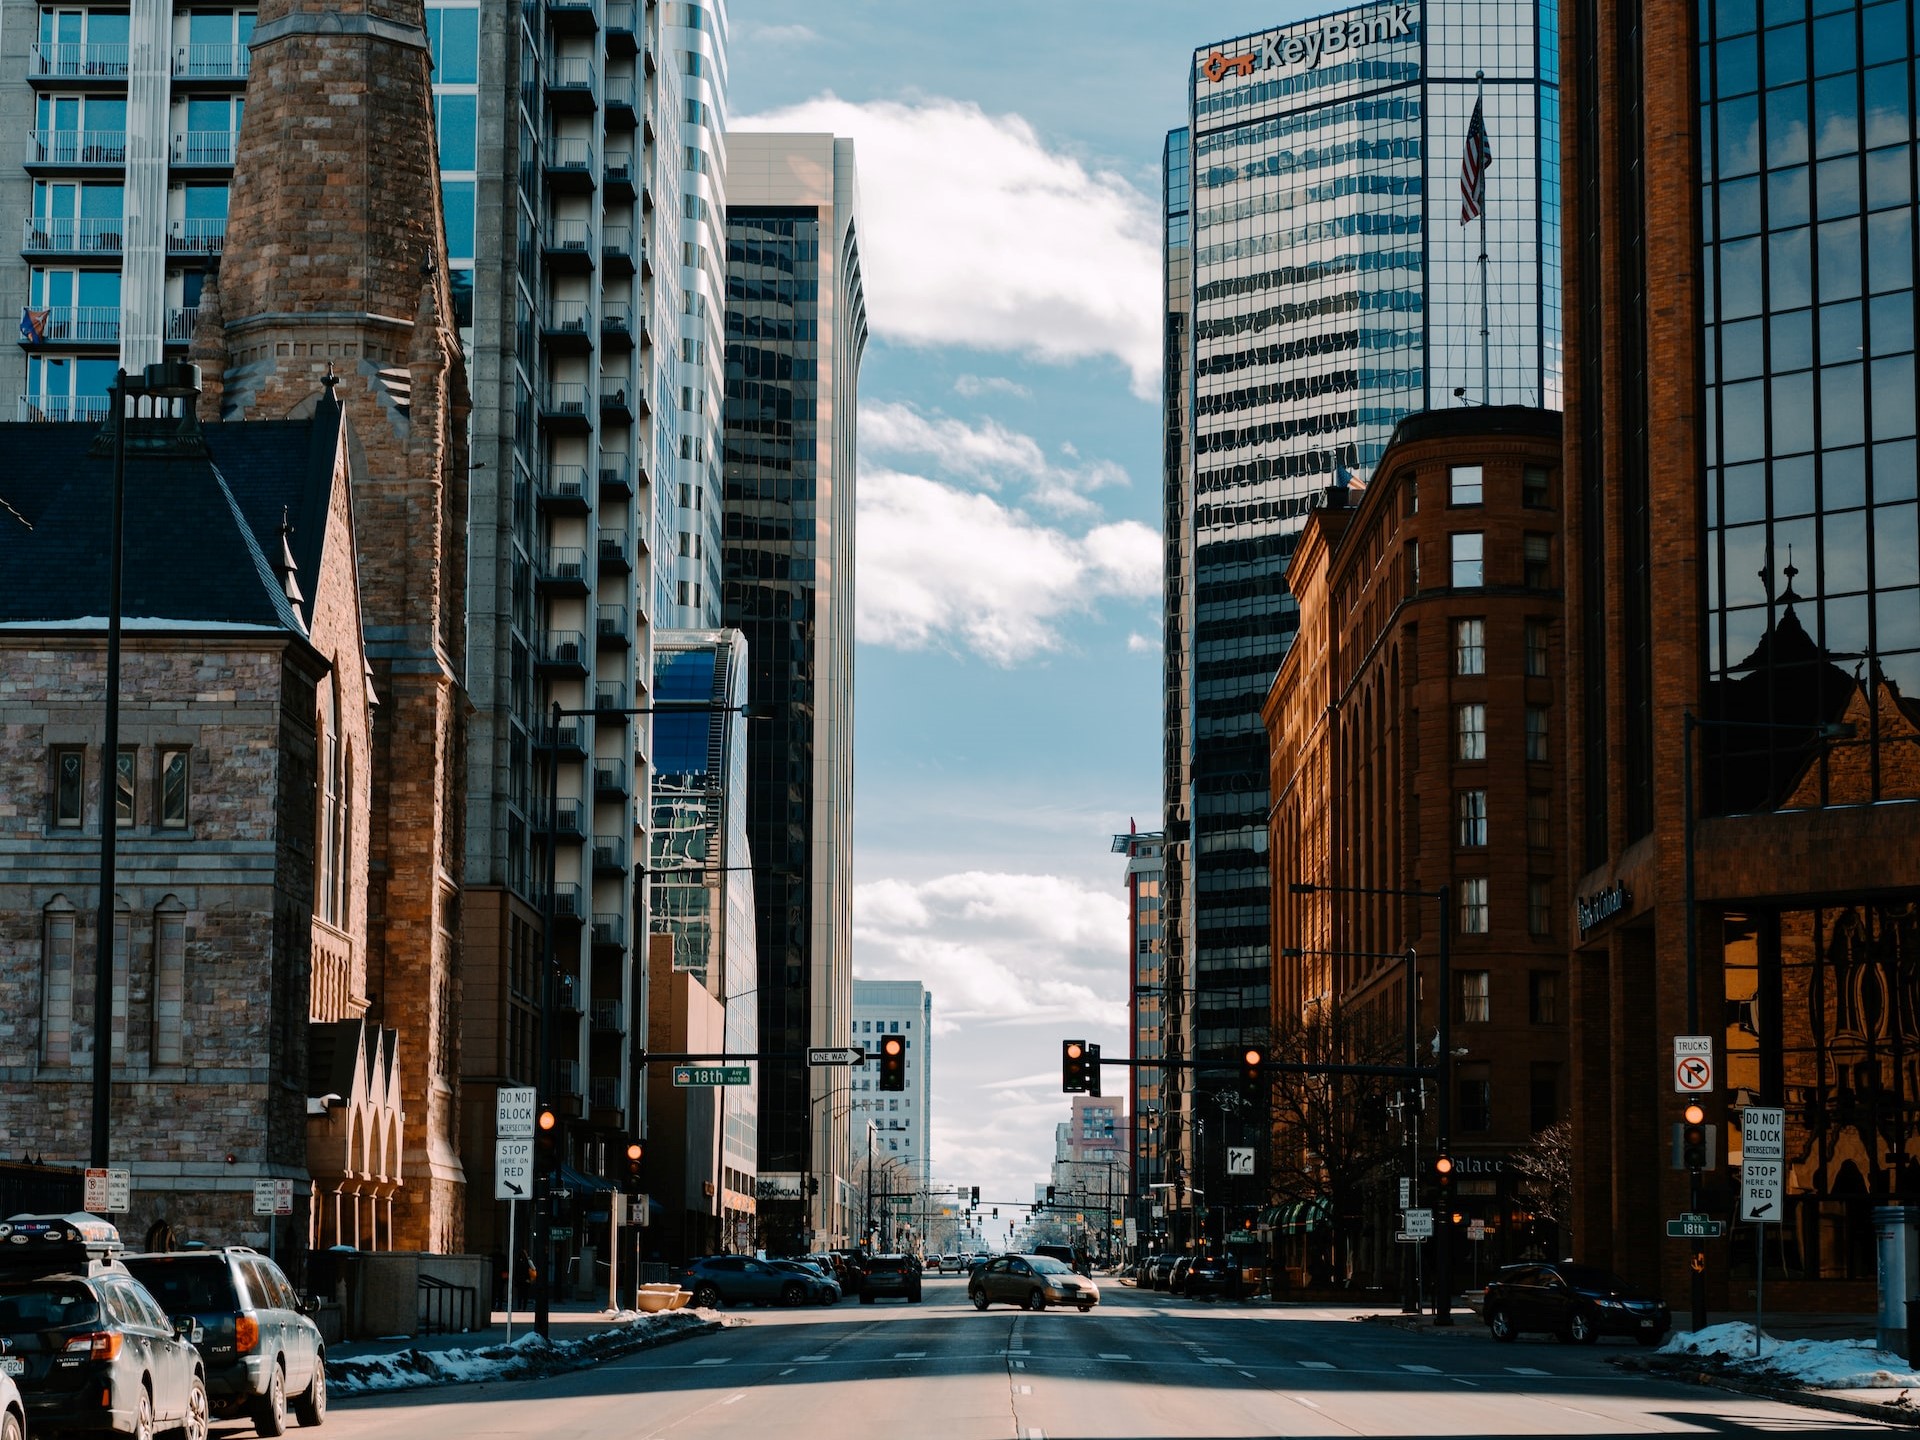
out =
column 1278, row 1067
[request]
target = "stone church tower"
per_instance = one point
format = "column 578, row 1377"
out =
column 332, row 265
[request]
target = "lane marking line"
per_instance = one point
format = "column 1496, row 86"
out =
column 1318, row 1365
column 734, row 1399
column 809, row 1357
column 1216, row 1360
column 1023, row 1389
column 1019, row 1364
column 721, row 1360
column 787, row 1371
column 1306, row 1402
column 1249, row 1374
column 909, row 1354
column 1112, row 1355
column 1524, row 1370
column 1422, row 1369
column 1458, row 1381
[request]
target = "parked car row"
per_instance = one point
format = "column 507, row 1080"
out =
column 1191, row 1274
column 95, row 1339
column 717, row 1281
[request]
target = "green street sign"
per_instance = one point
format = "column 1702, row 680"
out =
column 560, row 1232
column 1694, row 1227
column 688, row 1077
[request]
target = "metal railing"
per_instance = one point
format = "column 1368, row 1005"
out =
column 91, row 408
column 606, row 1013
column 570, row 316
column 79, row 324
column 83, row 235
column 211, row 62
column 74, row 61
column 609, row 928
column 565, row 482
column 76, row 147
column 565, row 397
column 206, row 147
column 197, row 237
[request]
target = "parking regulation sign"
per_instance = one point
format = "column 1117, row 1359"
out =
column 1693, row 1064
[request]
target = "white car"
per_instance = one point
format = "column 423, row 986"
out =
column 13, row 1410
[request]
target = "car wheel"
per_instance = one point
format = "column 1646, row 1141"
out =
column 1580, row 1330
column 10, row 1427
column 270, row 1410
column 193, row 1424
column 143, row 1415
column 706, row 1296
column 1036, row 1301
column 1501, row 1324
column 793, row 1293
column 1085, row 1308
column 311, row 1408
column 979, row 1298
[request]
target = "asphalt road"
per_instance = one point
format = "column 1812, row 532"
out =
column 1140, row 1365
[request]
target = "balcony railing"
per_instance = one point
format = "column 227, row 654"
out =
column 606, row 1092
column 570, row 235
column 571, row 72
column 564, row 562
column 211, row 62
column 569, row 154
column 91, row 408
column 609, row 853
column 569, row 316
column 78, row 62
column 564, row 647
column 71, row 234
column 566, row 397
column 180, row 322
column 609, row 777
column 606, row 1013
column 79, row 324
column 610, row 623
column 619, row 167
column 610, row 697
column 197, row 237
column 77, row 147
column 206, row 147
column 566, row 1076
column 609, row 928
column 565, row 483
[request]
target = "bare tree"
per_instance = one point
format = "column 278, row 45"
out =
column 1545, row 1164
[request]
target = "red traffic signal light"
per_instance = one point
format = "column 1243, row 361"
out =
column 1250, row 1061
column 1695, row 1153
column 636, row 1167
column 893, row 1063
column 1443, row 1172
column 1073, row 1066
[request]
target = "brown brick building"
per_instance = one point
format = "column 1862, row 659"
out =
column 1414, row 729
column 1741, row 549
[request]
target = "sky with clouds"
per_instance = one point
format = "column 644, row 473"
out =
column 1008, row 576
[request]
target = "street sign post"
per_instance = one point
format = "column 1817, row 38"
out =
column 693, row 1077
column 1239, row 1160
column 1693, row 1064
column 1406, row 1191
column 837, row 1055
column 513, row 1168
column 1763, row 1159
column 1690, row 1226
column 1415, row 1225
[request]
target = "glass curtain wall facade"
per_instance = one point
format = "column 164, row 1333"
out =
column 106, row 140
column 1813, row 541
column 550, row 118
column 796, row 329
column 1334, row 290
column 702, row 881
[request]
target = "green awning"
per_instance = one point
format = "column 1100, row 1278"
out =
column 1303, row 1215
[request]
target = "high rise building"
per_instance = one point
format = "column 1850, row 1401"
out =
column 1333, row 290
column 796, row 329
column 1744, row 559
column 563, row 167
column 1147, row 1006
column 902, row 1122
column 701, row 887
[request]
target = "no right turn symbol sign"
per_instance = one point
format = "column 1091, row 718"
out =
column 1693, row 1064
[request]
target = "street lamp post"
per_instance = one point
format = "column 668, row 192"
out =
column 167, row 380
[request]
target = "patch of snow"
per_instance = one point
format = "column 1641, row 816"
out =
column 1816, row 1364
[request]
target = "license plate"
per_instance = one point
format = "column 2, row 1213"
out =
column 12, row 1365
column 1646, row 1324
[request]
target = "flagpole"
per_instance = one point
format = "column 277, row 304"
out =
column 1486, row 392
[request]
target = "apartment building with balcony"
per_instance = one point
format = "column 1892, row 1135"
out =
column 119, row 197
column 562, row 169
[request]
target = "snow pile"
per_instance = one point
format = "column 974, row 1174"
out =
column 1815, row 1364
column 527, row 1357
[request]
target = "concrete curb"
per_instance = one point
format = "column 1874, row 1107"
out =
column 521, row 1363
column 1886, row 1411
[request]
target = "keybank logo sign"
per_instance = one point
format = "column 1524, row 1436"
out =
column 1310, row 47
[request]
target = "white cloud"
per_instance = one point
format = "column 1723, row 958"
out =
column 972, row 387
column 1139, row 644
column 999, row 950
column 975, row 233
column 986, row 453
column 941, row 566
column 776, row 34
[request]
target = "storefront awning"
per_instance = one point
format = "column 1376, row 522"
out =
column 1297, row 1215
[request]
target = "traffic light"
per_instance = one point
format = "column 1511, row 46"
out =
column 1093, row 1069
column 1696, row 1140
column 996, row 1212
column 546, row 1147
column 1073, row 1066
column 1250, row 1072
column 976, row 1195
column 636, row 1167
column 1443, row 1177
column 893, row 1063
column 1049, row 1194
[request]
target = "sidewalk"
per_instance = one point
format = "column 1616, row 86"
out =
column 567, row 1320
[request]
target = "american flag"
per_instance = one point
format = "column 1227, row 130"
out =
column 1474, row 164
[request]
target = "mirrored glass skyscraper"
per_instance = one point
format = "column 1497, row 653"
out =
column 1328, row 288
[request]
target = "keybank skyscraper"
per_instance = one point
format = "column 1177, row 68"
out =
column 1320, row 286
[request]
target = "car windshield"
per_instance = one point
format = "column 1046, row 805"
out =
column 186, row 1287
column 26, row 1308
column 886, row 1262
column 1593, row 1278
column 1047, row 1265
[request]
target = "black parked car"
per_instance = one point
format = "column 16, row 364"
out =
column 1579, row 1303
column 1158, row 1271
column 262, row 1353
column 718, row 1280
column 88, row 1347
column 1207, row 1275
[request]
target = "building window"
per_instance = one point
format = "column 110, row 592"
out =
column 1474, row 1113
column 1470, row 647
column 174, row 765
column 1539, row 907
column 1464, row 485
column 59, row 924
column 1543, row 1096
column 1533, row 487
column 1473, row 906
column 1537, row 733
column 1536, row 648
column 1539, row 820
column 1472, row 997
column 1538, row 569
column 1543, row 997
column 69, row 788
column 1470, row 731
column 1413, row 564
column 123, row 788
column 1470, row 811
column 1469, row 570
column 1410, row 491
column 169, row 985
